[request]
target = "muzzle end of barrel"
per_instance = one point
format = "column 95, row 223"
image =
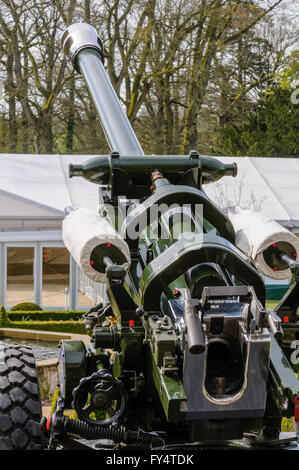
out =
column 80, row 36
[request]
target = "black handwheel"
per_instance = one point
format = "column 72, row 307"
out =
column 20, row 403
column 99, row 392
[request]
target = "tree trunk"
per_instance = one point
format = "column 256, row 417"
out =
column 71, row 116
column 199, row 80
column 24, row 128
column 12, row 120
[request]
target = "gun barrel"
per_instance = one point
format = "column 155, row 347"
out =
column 83, row 47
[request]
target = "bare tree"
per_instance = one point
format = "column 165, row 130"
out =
column 31, row 29
column 179, row 68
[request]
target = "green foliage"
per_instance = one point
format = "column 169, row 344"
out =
column 270, row 130
column 290, row 73
column 271, row 303
column 26, row 306
column 4, row 321
column 97, row 415
column 164, row 83
column 45, row 315
column 286, row 424
column 296, row 368
column 66, row 326
column 54, row 399
column 271, row 127
column 44, row 386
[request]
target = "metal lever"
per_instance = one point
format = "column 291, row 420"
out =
column 195, row 335
column 274, row 323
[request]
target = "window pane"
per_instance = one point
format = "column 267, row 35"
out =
column 20, row 283
column 56, row 277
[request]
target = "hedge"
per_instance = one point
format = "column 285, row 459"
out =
column 4, row 320
column 28, row 306
column 43, row 315
column 62, row 326
column 77, row 327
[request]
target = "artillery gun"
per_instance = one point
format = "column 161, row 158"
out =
column 183, row 352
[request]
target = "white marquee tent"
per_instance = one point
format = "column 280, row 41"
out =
column 35, row 189
column 269, row 185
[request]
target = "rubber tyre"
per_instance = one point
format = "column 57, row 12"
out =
column 20, row 403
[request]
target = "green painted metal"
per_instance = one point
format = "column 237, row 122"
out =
column 162, row 338
column 167, row 195
column 144, row 339
column 169, row 388
column 162, row 343
column 283, row 381
column 146, row 344
column 72, row 366
column 175, row 261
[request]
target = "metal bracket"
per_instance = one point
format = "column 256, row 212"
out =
column 169, row 364
column 116, row 274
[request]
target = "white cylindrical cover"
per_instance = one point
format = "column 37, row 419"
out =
column 82, row 231
column 255, row 233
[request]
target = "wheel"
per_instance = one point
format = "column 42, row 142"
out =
column 20, row 403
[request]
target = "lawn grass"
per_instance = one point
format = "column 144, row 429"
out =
column 271, row 303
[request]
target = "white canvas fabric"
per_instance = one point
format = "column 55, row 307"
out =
column 82, row 231
column 266, row 185
column 255, row 233
column 42, row 181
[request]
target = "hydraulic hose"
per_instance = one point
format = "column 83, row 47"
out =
column 115, row 433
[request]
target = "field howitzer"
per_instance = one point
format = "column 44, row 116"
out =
column 184, row 348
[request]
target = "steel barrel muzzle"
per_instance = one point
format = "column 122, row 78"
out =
column 84, row 48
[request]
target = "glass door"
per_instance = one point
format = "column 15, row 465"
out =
column 19, row 275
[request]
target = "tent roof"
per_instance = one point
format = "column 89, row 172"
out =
column 38, row 185
column 269, row 185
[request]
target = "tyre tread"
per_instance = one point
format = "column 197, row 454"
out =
column 21, row 427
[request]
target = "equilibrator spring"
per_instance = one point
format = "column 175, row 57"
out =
column 85, row 430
